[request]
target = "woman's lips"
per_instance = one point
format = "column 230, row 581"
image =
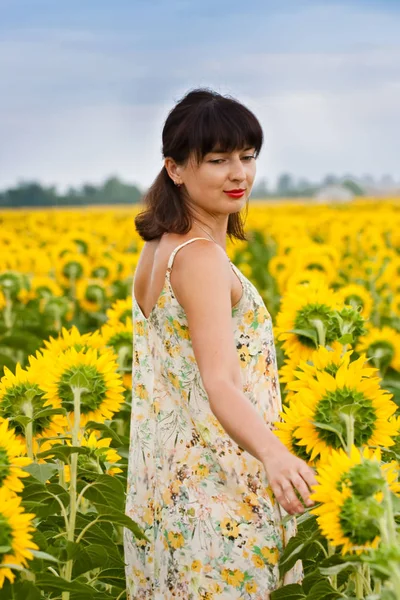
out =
column 235, row 194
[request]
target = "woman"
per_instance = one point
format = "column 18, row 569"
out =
column 208, row 480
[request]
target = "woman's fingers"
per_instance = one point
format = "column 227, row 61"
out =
column 287, row 498
column 309, row 477
column 303, row 489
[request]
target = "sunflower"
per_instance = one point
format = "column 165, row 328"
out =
column 119, row 338
column 323, row 403
column 100, row 452
column 23, row 393
column 350, row 491
column 357, row 296
column 309, row 276
column 11, row 459
column 280, row 268
column 391, row 273
column 106, row 269
column 94, row 372
column 308, row 307
column 72, row 338
column 15, row 535
column 382, row 346
column 92, row 294
column 41, row 287
column 120, row 311
column 323, row 359
column 72, row 267
column 286, row 428
column 101, row 449
column 320, row 258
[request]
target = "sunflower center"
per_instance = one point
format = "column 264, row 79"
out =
column 354, row 301
column 382, row 353
column 125, row 315
column 359, row 519
column 4, row 466
column 44, row 292
column 120, row 340
column 6, row 537
column 345, row 401
column 94, row 293
column 13, row 402
column 82, row 246
column 101, row 272
column 311, row 317
column 73, row 270
column 315, row 267
column 94, row 384
column 365, row 479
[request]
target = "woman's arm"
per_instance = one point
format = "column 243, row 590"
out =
column 201, row 280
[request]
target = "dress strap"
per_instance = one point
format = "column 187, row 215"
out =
column 171, row 258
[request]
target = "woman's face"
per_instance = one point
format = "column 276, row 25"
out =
column 219, row 172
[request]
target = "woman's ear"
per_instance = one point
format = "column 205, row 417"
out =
column 173, row 170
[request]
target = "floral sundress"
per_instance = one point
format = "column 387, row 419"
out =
column 204, row 503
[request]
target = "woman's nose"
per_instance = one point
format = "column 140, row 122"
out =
column 238, row 171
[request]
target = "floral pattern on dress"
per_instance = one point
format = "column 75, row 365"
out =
column 214, row 526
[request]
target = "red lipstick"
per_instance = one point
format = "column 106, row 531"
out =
column 235, row 193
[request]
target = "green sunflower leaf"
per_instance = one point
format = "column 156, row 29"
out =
column 114, row 577
column 63, row 452
column 293, row 591
column 20, row 590
column 308, row 333
column 89, row 558
column 42, row 472
column 347, row 338
column 47, row 412
column 94, row 426
column 117, row 517
column 106, row 490
column 323, row 590
column 43, row 555
column 48, row 582
column 327, row 427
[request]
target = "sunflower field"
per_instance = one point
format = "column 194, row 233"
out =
column 330, row 278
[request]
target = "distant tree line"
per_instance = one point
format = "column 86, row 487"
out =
column 288, row 187
column 115, row 191
column 112, row 191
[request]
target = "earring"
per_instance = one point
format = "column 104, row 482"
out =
column 177, row 184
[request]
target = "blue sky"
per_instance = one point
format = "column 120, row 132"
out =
column 85, row 86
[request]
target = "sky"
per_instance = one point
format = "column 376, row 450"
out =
column 86, row 85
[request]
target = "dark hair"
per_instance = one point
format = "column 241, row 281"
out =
column 202, row 121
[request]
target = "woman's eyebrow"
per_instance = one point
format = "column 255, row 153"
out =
column 220, row 151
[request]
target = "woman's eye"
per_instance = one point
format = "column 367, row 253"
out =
column 218, row 160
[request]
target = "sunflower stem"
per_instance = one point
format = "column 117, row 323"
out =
column 359, row 585
column 321, row 331
column 391, row 524
column 123, row 353
column 7, row 312
column 389, row 536
column 349, row 420
column 331, row 552
column 77, row 392
column 61, row 473
column 28, row 411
